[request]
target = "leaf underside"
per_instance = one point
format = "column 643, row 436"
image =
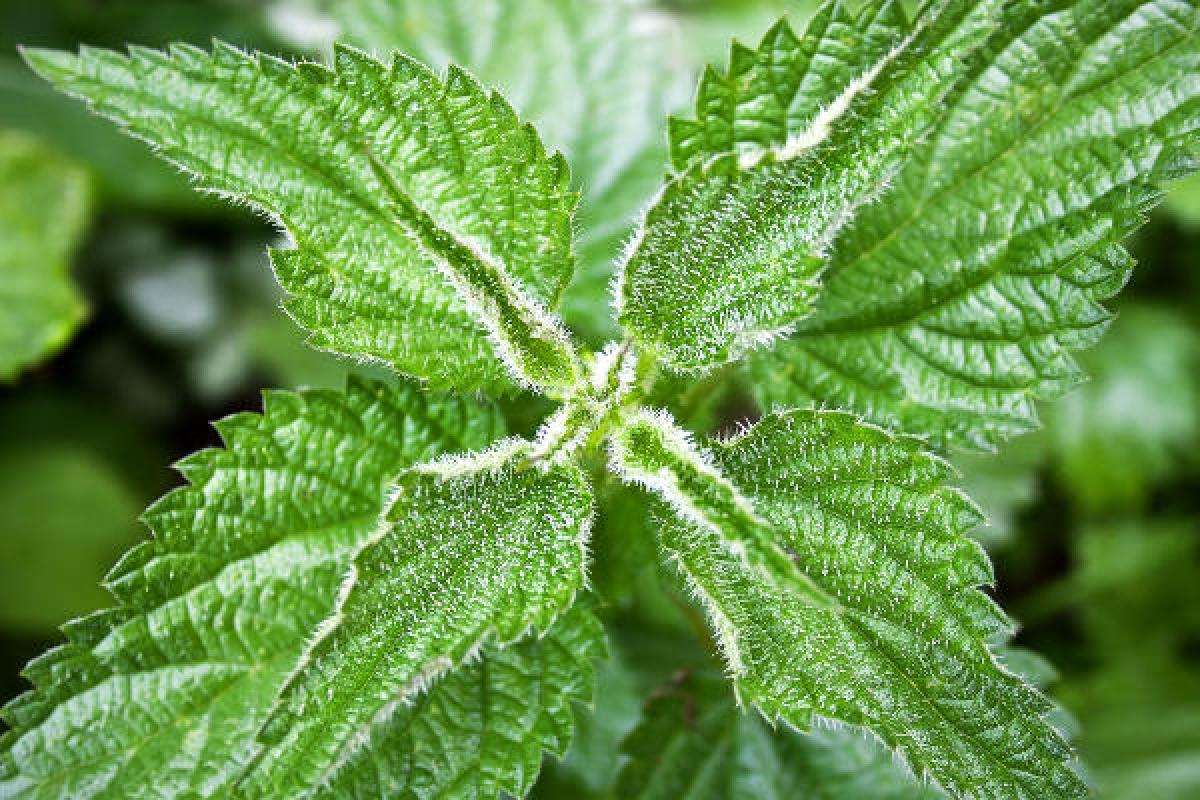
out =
column 383, row 175
column 956, row 298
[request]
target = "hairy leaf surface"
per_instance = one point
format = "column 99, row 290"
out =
column 161, row 696
column 44, row 207
column 694, row 742
column 597, row 85
column 956, row 298
column 471, row 549
column 856, row 595
column 480, row 732
column 730, row 254
column 432, row 230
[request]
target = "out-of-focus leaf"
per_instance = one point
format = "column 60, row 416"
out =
column 124, row 172
column 1183, row 200
column 67, row 516
column 709, row 25
column 642, row 657
column 1134, row 585
column 44, row 203
column 72, row 480
column 1140, row 729
column 214, row 306
column 1003, row 485
column 1138, row 704
column 1139, row 417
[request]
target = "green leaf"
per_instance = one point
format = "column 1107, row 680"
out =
column 1132, row 590
column 432, row 230
column 772, row 94
column 58, row 498
column 44, row 205
column 1183, row 200
column 956, row 298
column 481, row 730
column 710, row 25
column 833, row 563
column 597, row 85
column 589, row 768
column 1137, row 420
column 471, row 549
column 694, row 742
column 166, row 691
column 1004, row 487
column 725, row 262
column 729, row 256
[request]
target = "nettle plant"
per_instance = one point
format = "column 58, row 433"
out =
column 896, row 230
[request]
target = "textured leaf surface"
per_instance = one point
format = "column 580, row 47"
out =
column 470, row 549
column 481, row 730
column 725, row 262
column 432, row 230
column 162, row 695
column 730, row 254
column 693, row 742
column 44, row 207
column 597, row 84
column 856, row 598
column 957, row 297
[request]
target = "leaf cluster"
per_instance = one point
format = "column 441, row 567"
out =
column 899, row 229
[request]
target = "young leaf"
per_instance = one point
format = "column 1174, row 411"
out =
column 694, row 742
column 729, row 256
column 724, row 262
column 856, row 598
column 481, row 730
column 168, row 689
column 432, row 231
column 768, row 94
column 956, row 298
column 470, row 550
column 597, row 85
column 44, row 206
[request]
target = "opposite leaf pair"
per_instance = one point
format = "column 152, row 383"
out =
column 433, row 233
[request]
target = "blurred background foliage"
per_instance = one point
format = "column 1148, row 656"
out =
column 133, row 311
